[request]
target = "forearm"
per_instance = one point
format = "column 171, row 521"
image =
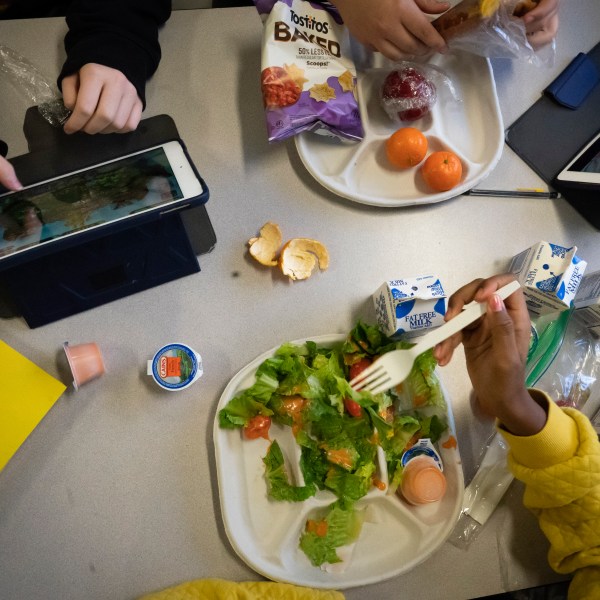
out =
column 122, row 34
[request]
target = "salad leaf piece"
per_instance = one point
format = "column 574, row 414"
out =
column 338, row 527
column 277, row 479
column 240, row 410
column 366, row 340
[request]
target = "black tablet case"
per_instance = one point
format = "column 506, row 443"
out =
column 102, row 270
column 547, row 136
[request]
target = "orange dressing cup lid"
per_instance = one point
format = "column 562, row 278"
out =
column 422, row 481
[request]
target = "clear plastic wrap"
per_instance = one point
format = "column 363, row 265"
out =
column 470, row 27
column 30, row 82
column 410, row 90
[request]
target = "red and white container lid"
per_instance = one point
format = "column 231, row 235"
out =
column 175, row 367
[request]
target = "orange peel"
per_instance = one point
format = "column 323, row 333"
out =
column 300, row 256
column 265, row 247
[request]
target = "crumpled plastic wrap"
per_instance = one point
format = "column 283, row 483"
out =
column 30, row 82
column 467, row 27
column 410, row 90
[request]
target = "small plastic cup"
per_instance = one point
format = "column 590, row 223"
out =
column 422, row 481
column 85, row 361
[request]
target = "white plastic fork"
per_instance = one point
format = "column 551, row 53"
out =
column 394, row 367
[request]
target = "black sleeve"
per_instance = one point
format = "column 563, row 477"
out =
column 122, row 34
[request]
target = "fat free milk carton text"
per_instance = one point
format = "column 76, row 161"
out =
column 407, row 307
column 550, row 276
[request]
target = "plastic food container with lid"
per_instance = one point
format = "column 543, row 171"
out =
column 175, row 367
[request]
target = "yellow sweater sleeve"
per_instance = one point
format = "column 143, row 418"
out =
column 560, row 467
column 220, row 589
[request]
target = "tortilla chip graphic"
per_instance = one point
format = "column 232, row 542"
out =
column 322, row 92
column 296, row 73
column 346, row 80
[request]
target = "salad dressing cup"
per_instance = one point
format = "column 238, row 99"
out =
column 85, row 361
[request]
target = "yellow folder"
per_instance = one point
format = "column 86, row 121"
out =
column 27, row 393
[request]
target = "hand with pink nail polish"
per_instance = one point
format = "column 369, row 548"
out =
column 496, row 353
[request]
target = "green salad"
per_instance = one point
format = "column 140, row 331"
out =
column 338, row 430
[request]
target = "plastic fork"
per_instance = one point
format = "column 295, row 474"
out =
column 394, row 367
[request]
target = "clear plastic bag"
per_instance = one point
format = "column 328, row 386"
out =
column 30, row 82
column 499, row 35
column 575, row 367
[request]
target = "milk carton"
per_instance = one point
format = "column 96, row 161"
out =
column 587, row 302
column 407, row 307
column 550, row 275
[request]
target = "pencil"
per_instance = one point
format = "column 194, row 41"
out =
column 513, row 193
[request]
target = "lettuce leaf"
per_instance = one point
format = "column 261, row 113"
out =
column 343, row 527
column 278, row 484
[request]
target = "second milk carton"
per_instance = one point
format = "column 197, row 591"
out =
column 408, row 307
column 587, row 302
column 550, row 276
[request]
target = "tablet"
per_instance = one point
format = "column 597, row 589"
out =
column 585, row 167
column 91, row 202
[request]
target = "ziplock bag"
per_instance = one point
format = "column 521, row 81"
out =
column 491, row 28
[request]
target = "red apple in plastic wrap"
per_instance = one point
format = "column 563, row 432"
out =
column 407, row 94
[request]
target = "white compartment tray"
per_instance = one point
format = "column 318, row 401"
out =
column 266, row 533
column 471, row 127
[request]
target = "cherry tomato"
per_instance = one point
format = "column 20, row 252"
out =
column 258, row 426
column 354, row 408
column 358, row 367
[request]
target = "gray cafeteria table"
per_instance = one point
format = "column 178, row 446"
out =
column 115, row 493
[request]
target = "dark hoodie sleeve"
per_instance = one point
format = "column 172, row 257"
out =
column 122, row 34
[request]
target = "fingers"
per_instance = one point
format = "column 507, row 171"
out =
column 102, row 99
column 70, row 86
column 8, row 177
column 423, row 35
column 433, row 7
column 541, row 23
column 543, row 11
column 502, row 330
column 444, row 351
column 482, row 290
column 540, row 37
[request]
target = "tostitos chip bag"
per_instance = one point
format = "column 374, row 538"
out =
column 308, row 77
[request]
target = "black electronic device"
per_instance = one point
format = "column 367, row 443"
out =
column 127, row 246
column 549, row 135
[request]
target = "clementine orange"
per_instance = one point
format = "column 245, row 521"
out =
column 406, row 147
column 442, row 170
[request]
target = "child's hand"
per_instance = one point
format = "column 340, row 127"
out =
column 102, row 99
column 394, row 27
column 541, row 23
column 496, row 352
column 8, row 177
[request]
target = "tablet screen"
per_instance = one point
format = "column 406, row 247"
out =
column 585, row 167
column 589, row 164
column 86, row 199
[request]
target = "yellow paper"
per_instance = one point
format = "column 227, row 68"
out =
column 27, row 393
